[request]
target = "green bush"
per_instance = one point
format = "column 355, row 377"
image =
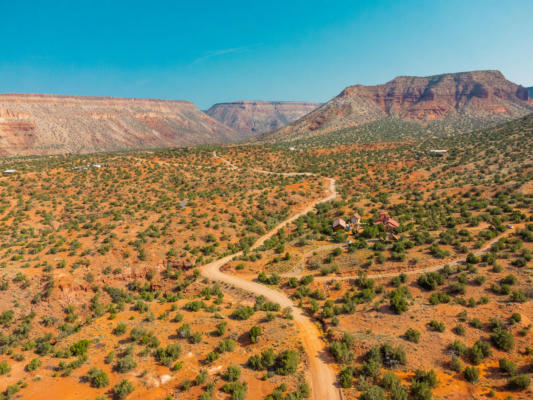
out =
column 80, row 348
column 4, row 368
column 255, row 332
column 436, row 326
column 233, row 373
column 346, row 377
column 125, row 364
column 479, row 351
column 471, row 374
column 33, row 365
column 373, row 393
column 287, row 362
column 242, row 313
column 507, row 366
column 519, row 382
column 122, row 389
column 97, row 378
column 502, row 339
column 412, row 335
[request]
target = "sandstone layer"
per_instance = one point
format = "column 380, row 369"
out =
column 449, row 101
column 256, row 117
column 52, row 124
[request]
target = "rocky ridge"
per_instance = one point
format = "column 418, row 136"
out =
column 53, row 124
column 442, row 103
column 257, row 117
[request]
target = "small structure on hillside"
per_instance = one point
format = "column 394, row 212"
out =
column 339, row 224
column 437, row 152
column 10, row 171
column 183, row 265
column 389, row 223
column 355, row 219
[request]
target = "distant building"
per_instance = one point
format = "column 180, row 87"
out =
column 355, row 219
column 10, row 171
column 339, row 224
column 389, row 223
column 438, row 152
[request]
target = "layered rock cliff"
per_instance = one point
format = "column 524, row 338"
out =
column 256, row 117
column 51, row 124
column 446, row 102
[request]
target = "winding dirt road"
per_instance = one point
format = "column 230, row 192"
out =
column 323, row 379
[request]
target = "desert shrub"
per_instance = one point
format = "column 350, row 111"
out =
column 97, row 378
column 412, row 335
column 120, row 329
column 519, row 382
column 255, row 332
column 515, row 318
column 471, row 374
column 436, row 326
column 456, row 364
column 221, row 328
column 233, row 373
column 242, row 313
column 33, row 365
column 458, row 348
column 125, row 364
column 168, row 355
column 507, row 366
column 389, row 381
column 398, row 301
column 346, row 377
column 4, row 368
column 439, row 298
column 226, row 346
column 373, row 393
column 341, row 352
column 201, row 377
column 502, row 339
column 287, row 362
column 80, row 348
column 236, row 389
column 479, row 351
column 518, row 296
column 255, row 363
column 427, row 377
column 273, row 279
column 476, row 323
column 122, row 389
column 459, row 330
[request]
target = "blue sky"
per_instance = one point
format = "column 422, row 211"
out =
column 216, row 51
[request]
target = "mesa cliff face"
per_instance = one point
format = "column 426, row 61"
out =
column 453, row 101
column 51, row 124
column 256, row 117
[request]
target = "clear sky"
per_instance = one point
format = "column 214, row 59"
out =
column 216, row 51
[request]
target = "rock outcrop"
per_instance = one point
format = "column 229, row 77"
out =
column 450, row 101
column 52, row 124
column 256, row 117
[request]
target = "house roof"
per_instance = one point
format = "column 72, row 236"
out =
column 339, row 222
column 392, row 222
column 356, row 216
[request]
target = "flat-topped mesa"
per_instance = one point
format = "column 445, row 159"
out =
column 67, row 98
column 253, row 117
column 476, row 96
column 53, row 124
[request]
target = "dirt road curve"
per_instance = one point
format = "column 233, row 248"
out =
column 323, row 380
